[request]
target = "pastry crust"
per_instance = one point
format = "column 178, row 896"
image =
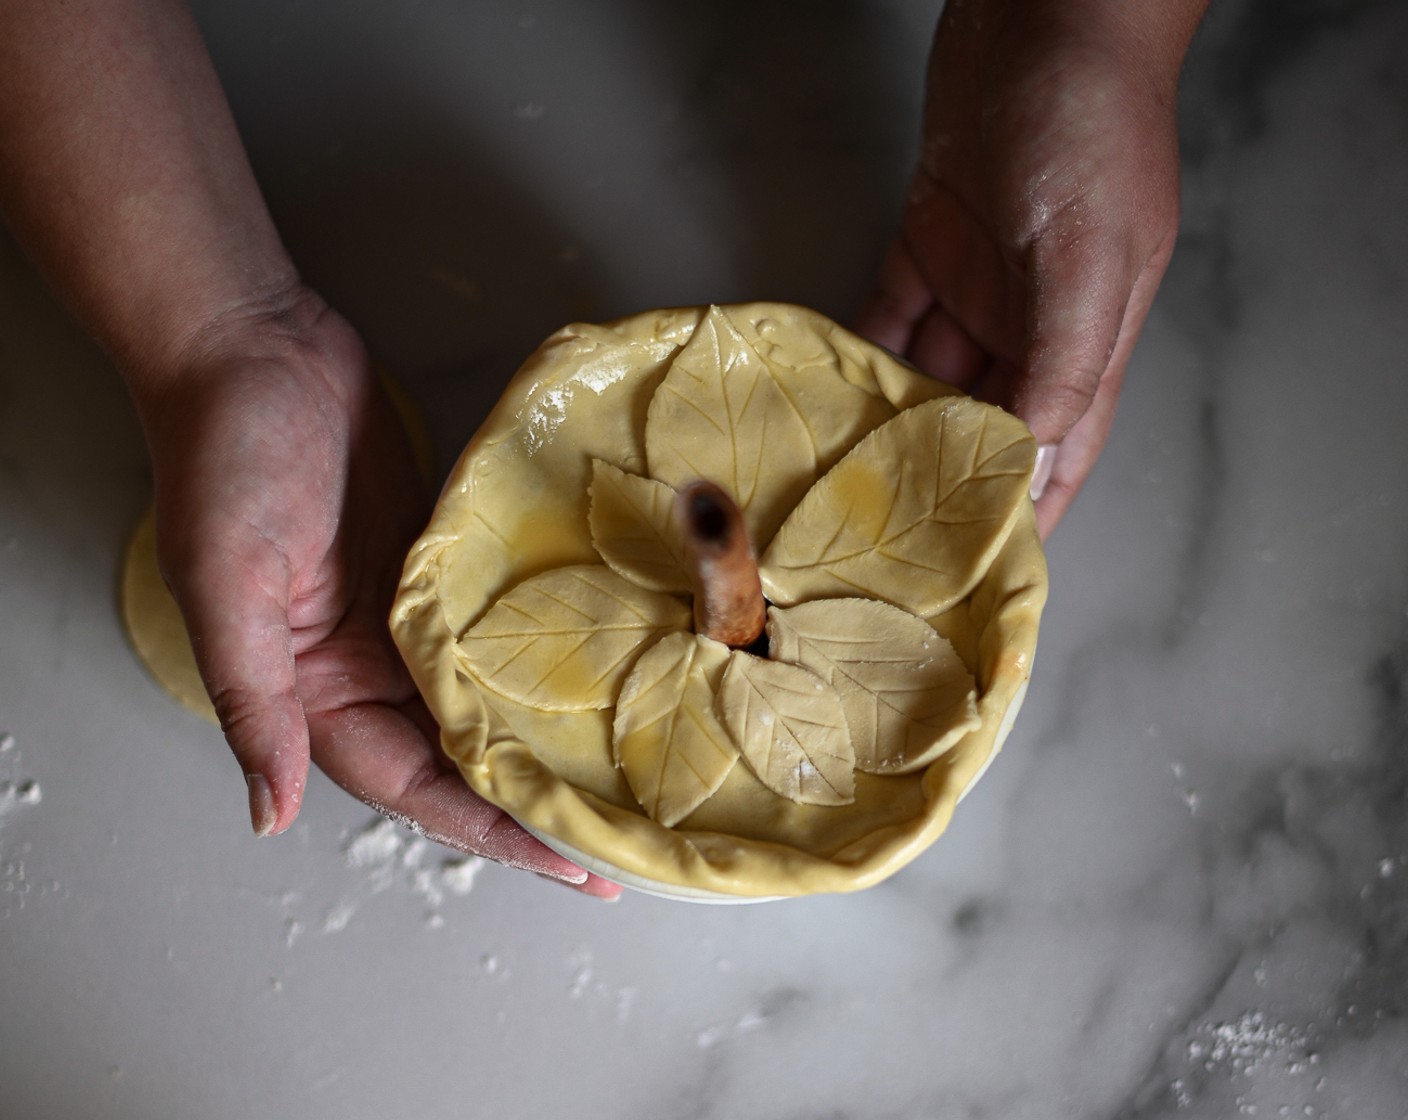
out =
column 517, row 505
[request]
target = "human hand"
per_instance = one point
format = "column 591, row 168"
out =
column 286, row 499
column 286, row 493
column 1041, row 217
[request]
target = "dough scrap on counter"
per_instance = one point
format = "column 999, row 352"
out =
column 154, row 625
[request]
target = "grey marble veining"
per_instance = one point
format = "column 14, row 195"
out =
column 1182, row 891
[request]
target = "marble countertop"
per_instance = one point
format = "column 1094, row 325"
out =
column 1182, row 890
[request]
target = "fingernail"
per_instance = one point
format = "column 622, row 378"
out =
column 1041, row 473
column 262, row 812
column 572, row 879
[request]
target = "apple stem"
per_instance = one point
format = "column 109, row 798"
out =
column 728, row 595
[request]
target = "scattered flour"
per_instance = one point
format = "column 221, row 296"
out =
column 1254, row 1052
column 18, row 884
column 1190, row 797
column 745, row 1023
column 389, row 855
column 625, row 1003
column 385, row 854
column 374, row 847
column 15, row 792
column 585, row 983
column 458, row 875
column 337, row 918
column 1251, row 1041
column 12, row 795
column 580, row 961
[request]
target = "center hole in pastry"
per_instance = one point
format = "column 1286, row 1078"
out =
column 709, row 518
column 714, row 524
column 759, row 648
column 723, row 570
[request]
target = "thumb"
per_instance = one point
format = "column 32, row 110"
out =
column 236, row 612
column 1078, row 359
column 1080, row 287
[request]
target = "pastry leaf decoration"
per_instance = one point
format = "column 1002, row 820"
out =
column 633, row 530
column 667, row 739
column 564, row 640
column 721, row 415
column 913, row 515
column 790, row 729
column 866, row 536
column 906, row 694
column 812, row 369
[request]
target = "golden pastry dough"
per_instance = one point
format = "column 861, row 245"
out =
column 906, row 693
column 790, row 728
column 154, row 624
column 667, row 738
column 858, row 477
column 721, row 414
column 634, row 530
column 914, row 513
column 564, row 641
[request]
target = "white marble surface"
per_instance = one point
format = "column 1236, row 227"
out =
column 1182, row 890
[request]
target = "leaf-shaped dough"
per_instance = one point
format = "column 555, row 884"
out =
column 562, row 641
column 633, row 530
column 790, row 729
column 721, row 415
column 667, row 738
column 826, row 372
column 914, row 513
column 907, row 695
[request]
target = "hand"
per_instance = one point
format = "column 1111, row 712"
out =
column 286, row 500
column 286, row 494
column 1041, row 217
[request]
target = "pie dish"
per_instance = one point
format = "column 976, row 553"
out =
column 545, row 613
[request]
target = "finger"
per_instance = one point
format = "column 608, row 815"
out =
column 996, row 384
column 898, row 301
column 1077, row 311
column 379, row 755
column 943, row 349
column 1077, row 453
column 963, row 268
column 237, row 618
column 1082, row 290
column 1074, row 457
